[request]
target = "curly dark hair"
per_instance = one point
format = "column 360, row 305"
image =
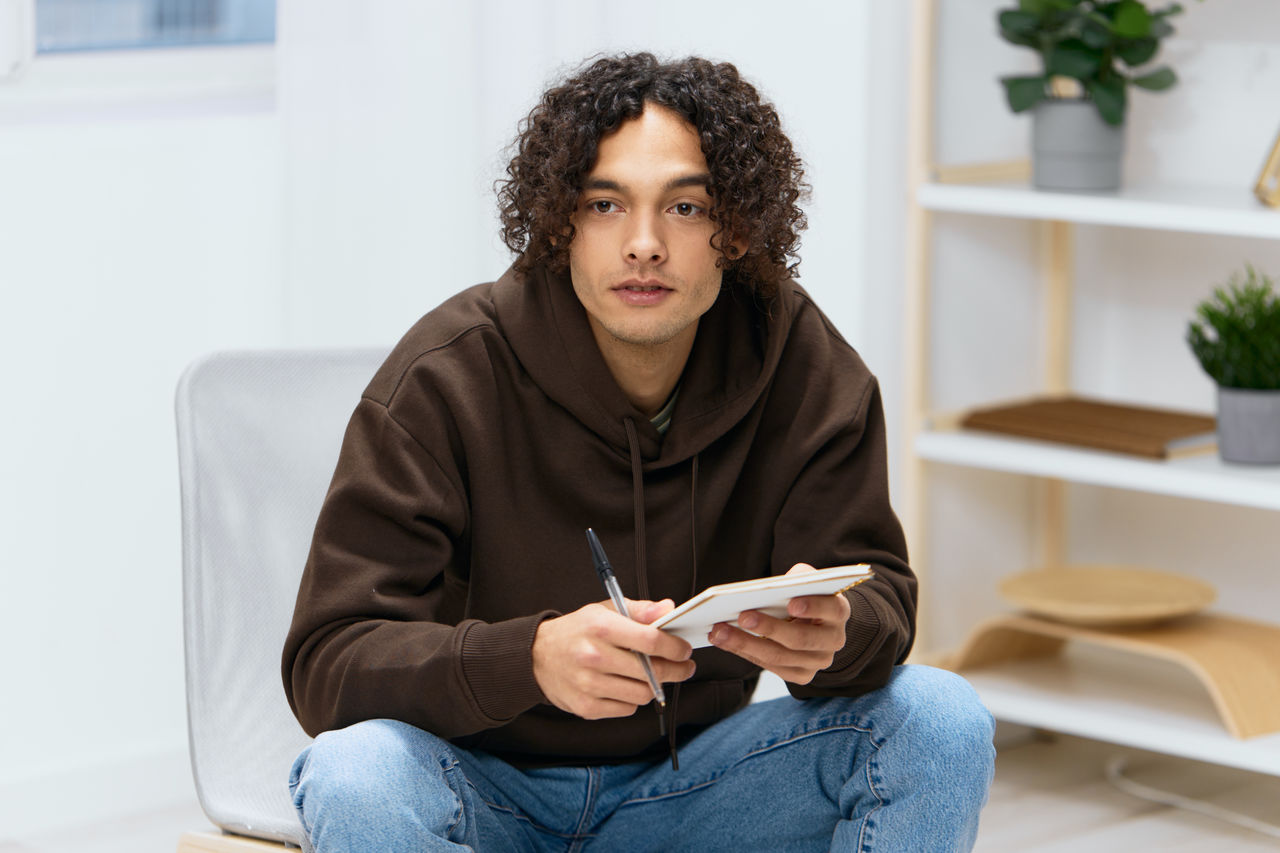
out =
column 756, row 178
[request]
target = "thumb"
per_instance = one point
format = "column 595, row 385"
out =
column 800, row 569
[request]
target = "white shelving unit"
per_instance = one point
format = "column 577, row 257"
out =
column 1121, row 698
column 1199, row 210
column 1095, row 693
column 1200, row 477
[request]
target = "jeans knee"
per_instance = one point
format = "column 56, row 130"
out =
column 359, row 774
column 948, row 723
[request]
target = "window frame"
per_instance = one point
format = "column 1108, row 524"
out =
column 81, row 24
column 144, row 83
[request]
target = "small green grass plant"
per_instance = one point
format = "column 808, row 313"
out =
column 1236, row 333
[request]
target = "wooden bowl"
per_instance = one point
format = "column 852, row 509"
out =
column 1106, row 595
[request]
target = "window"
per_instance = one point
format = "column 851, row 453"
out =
column 76, row 25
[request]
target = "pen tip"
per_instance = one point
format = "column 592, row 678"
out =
column 597, row 550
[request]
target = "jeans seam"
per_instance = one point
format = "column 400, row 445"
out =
column 588, row 804
column 460, row 810
column 752, row 754
column 865, row 830
column 517, row 815
column 295, row 782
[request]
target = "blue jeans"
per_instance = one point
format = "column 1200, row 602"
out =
column 904, row 768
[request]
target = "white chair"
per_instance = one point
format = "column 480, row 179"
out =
column 258, row 437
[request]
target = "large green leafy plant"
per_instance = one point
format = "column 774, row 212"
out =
column 1102, row 45
column 1236, row 336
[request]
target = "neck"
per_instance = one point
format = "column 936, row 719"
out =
column 646, row 373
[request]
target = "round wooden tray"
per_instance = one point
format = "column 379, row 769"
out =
column 1105, row 595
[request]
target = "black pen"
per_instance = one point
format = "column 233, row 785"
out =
column 615, row 592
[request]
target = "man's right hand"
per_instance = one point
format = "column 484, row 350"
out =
column 584, row 661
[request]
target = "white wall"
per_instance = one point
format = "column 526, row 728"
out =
column 134, row 234
column 138, row 230
column 391, row 161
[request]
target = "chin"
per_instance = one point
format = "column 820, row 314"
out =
column 641, row 337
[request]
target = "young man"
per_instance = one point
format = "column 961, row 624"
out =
column 648, row 369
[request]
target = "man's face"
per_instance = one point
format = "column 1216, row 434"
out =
column 641, row 260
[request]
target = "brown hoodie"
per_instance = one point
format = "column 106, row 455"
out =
column 494, row 435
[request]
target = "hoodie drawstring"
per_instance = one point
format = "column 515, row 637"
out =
column 637, row 501
column 693, row 526
column 642, row 574
column 693, row 590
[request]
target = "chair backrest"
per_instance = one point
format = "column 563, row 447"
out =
column 258, row 437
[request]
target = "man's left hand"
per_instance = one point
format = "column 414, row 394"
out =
column 794, row 649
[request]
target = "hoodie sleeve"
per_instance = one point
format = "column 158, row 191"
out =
column 838, row 513
column 377, row 630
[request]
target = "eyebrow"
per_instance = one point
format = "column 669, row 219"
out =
column 701, row 179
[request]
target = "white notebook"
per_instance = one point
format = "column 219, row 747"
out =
column 692, row 621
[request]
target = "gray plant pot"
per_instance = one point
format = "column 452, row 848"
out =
column 1073, row 148
column 1249, row 426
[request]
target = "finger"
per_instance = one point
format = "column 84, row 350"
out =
column 642, row 610
column 619, row 688
column 800, row 568
column 629, row 634
column 667, row 671
column 600, row 654
column 795, row 634
column 646, row 612
column 766, row 653
column 824, row 608
column 604, row 657
column 664, row 671
column 595, row 708
column 770, row 659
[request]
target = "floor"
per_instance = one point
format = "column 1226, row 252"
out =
column 1049, row 796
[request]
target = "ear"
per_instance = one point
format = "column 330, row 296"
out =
column 735, row 250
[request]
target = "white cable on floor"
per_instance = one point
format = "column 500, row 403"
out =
column 1115, row 775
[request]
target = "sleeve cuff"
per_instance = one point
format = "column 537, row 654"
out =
column 862, row 629
column 497, row 666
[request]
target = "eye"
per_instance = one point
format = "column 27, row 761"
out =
column 602, row 206
column 687, row 209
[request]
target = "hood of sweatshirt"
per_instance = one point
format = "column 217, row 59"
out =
column 734, row 357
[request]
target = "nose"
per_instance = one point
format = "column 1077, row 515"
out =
column 644, row 242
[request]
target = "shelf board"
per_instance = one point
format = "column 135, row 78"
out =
column 1231, row 211
column 1120, row 698
column 1201, row 477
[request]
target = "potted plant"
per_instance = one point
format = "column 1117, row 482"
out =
column 1236, row 339
column 1091, row 52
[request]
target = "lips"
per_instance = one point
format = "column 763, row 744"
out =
column 642, row 293
column 641, row 286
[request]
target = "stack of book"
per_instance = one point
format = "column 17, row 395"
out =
column 1136, row 430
